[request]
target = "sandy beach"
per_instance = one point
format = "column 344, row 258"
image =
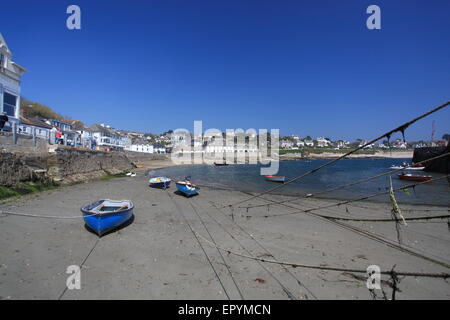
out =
column 168, row 253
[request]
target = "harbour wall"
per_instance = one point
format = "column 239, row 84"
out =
column 64, row 166
column 441, row 165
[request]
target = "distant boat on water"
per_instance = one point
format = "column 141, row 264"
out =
column 407, row 166
column 412, row 177
column 106, row 215
column 280, row 179
column 159, row 182
column 220, row 164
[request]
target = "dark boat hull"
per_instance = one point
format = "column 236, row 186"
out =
column 159, row 182
column 220, row 164
column 279, row 179
column 414, row 178
column 160, row 185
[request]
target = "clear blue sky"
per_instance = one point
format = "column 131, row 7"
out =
column 305, row 67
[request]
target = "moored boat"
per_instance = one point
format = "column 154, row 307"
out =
column 407, row 166
column 220, row 164
column 159, row 182
column 187, row 188
column 106, row 215
column 280, row 179
column 412, row 177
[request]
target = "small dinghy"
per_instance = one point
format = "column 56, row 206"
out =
column 412, row 177
column 105, row 215
column 407, row 166
column 220, row 164
column 187, row 188
column 280, row 179
column 159, row 182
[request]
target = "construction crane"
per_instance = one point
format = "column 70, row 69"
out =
column 433, row 130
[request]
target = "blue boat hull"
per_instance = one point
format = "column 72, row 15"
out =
column 103, row 223
column 186, row 191
column 162, row 185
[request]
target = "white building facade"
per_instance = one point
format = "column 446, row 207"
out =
column 145, row 148
column 10, row 75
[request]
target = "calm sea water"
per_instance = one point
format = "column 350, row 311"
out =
column 248, row 178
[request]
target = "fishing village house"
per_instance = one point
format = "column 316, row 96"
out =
column 107, row 139
column 286, row 144
column 308, row 143
column 39, row 126
column 10, row 79
column 339, row 144
column 322, row 142
column 145, row 148
column 159, row 148
column 84, row 137
column 400, row 144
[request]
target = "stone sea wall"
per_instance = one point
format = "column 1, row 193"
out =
column 16, row 167
column 64, row 166
column 441, row 165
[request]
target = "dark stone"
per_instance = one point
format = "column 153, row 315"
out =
column 441, row 165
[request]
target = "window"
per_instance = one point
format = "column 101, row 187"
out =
column 2, row 60
column 9, row 104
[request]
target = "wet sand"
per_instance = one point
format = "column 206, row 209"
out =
column 163, row 256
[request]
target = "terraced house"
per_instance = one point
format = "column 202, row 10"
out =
column 10, row 75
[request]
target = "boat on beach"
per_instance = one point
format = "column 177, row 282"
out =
column 413, row 177
column 280, row 179
column 105, row 215
column 187, row 188
column 159, row 182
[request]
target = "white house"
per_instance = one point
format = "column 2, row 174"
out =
column 159, row 148
column 104, row 136
column 10, row 74
column 286, row 144
column 322, row 142
column 145, row 148
column 36, row 125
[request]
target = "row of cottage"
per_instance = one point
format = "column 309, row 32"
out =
column 295, row 142
column 72, row 133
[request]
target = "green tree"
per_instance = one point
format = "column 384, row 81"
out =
column 34, row 109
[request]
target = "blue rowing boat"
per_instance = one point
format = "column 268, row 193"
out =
column 187, row 188
column 105, row 215
column 159, row 182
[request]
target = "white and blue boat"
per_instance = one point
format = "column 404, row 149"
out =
column 159, row 182
column 105, row 215
column 187, row 188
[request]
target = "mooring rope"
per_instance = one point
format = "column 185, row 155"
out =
column 298, row 265
column 401, row 128
column 359, row 199
column 44, row 216
column 310, row 195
